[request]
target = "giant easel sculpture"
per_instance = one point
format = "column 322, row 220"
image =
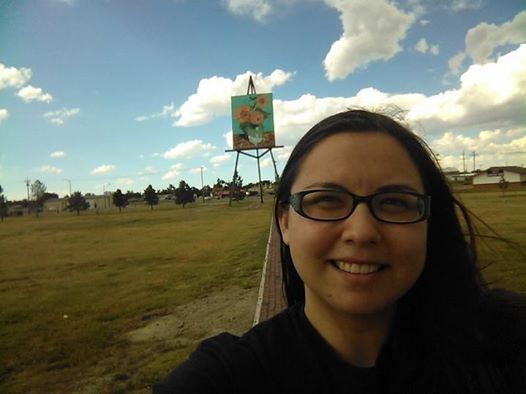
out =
column 251, row 90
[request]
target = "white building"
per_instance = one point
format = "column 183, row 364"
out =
column 494, row 175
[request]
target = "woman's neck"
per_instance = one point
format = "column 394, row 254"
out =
column 358, row 339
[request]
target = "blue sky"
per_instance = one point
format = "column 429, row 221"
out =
column 107, row 94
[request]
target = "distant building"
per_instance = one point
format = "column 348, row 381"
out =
column 16, row 210
column 104, row 201
column 493, row 176
column 454, row 175
column 55, row 205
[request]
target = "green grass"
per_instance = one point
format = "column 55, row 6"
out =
column 106, row 272
column 110, row 273
column 503, row 263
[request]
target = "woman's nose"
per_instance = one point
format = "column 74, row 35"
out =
column 361, row 227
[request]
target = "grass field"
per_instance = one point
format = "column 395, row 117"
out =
column 504, row 264
column 71, row 288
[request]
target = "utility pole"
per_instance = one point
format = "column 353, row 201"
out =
column 464, row 161
column 27, row 181
column 474, row 154
column 202, row 185
column 69, row 183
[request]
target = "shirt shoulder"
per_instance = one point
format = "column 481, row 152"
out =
column 504, row 320
column 227, row 363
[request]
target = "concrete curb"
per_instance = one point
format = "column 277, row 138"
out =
column 257, row 314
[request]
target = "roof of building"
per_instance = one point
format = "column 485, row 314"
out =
column 517, row 169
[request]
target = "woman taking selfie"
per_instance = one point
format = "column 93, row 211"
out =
column 383, row 289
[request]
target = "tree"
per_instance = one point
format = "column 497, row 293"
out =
column 220, row 183
column 207, row 191
column 131, row 194
column 48, row 196
column 3, row 205
column 150, row 196
column 235, row 187
column 184, row 194
column 120, row 200
column 77, row 202
column 38, row 191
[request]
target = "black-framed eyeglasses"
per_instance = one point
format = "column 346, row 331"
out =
column 402, row 207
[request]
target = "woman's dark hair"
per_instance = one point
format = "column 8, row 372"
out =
column 444, row 300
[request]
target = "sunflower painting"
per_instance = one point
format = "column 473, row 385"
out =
column 253, row 121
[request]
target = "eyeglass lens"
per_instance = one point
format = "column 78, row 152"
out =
column 398, row 207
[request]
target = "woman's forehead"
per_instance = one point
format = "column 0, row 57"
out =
column 368, row 159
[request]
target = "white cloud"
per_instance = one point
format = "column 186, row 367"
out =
column 229, row 141
column 51, row 169
column 174, row 172
column 60, row 116
column 30, row 93
column 188, row 149
column 4, row 113
column 57, row 154
column 124, row 182
column 372, row 31
column 103, row 169
column 13, row 77
column 424, row 22
column 423, row 47
column 484, row 38
column 492, row 147
column 489, row 96
column 148, row 170
column 218, row 160
column 168, row 110
column 212, row 98
column 68, row 2
column 284, row 153
column 461, row 5
column 257, row 9
column 266, row 163
column 197, row 170
column 455, row 63
column 295, row 117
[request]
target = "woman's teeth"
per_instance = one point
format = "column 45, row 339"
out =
column 357, row 268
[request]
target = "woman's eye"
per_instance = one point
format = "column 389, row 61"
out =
column 396, row 202
column 327, row 199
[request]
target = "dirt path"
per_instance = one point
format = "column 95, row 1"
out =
column 230, row 310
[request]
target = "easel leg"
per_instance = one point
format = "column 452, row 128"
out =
column 276, row 176
column 232, row 183
column 259, row 177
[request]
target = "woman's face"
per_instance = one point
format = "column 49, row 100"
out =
column 323, row 253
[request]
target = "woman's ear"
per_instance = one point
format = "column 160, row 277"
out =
column 283, row 217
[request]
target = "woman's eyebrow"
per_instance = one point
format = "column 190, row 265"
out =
column 326, row 185
column 399, row 187
column 396, row 187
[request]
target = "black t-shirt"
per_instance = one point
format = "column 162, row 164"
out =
column 287, row 355
column 282, row 355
